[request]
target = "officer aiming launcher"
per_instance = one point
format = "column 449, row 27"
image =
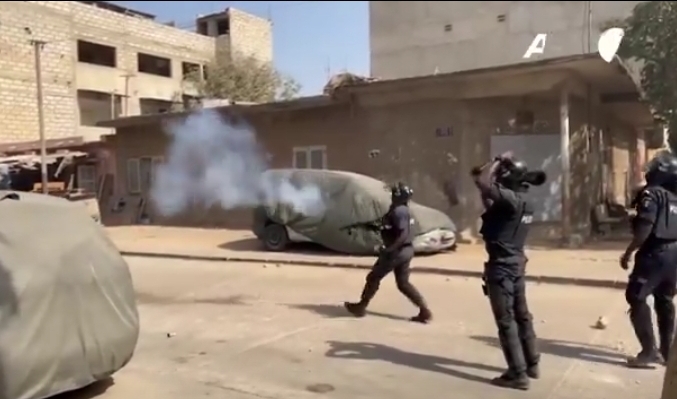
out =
column 503, row 184
column 517, row 170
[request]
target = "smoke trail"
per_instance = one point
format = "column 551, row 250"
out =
column 213, row 161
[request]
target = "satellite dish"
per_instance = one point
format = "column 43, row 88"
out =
column 609, row 42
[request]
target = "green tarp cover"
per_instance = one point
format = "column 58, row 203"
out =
column 348, row 198
column 68, row 315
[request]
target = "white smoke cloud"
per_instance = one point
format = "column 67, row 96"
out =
column 212, row 161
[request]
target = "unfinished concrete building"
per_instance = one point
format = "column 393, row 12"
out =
column 418, row 38
column 102, row 61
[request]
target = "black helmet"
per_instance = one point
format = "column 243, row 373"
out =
column 662, row 170
column 401, row 192
column 511, row 173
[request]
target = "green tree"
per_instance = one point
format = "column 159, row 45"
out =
column 243, row 78
column 651, row 38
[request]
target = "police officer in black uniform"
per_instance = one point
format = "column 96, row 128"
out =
column 655, row 269
column 505, row 224
column 395, row 256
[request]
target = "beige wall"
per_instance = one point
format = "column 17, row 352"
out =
column 404, row 133
column 250, row 35
column 408, row 38
column 61, row 24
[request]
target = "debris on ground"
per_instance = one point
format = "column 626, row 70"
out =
column 601, row 323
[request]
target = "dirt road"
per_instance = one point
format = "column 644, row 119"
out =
column 246, row 331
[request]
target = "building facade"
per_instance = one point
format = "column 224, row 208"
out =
column 417, row 38
column 430, row 131
column 100, row 61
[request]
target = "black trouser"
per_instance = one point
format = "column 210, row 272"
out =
column 654, row 273
column 507, row 295
column 399, row 263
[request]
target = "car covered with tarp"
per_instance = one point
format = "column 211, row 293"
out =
column 351, row 202
column 68, row 315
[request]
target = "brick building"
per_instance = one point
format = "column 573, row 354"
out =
column 102, row 61
column 577, row 117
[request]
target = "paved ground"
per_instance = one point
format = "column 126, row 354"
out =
column 245, row 331
column 590, row 266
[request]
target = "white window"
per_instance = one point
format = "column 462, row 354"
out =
column 314, row 157
column 86, row 175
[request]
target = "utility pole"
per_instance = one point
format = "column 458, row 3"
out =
column 37, row 50
column 126, row 76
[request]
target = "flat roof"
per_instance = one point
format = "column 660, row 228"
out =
column 613, row 77
column 119, row 9
column 238, row 109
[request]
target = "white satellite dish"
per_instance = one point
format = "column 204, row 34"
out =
column 609, row 42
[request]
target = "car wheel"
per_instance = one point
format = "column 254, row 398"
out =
column 275, row 237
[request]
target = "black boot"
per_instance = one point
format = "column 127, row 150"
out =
column 665, row 318
column 512, row 380
column 646, row 359
column 424, row 316
column 640, row 317
column 534, row 372
column 359, row 309
column 666, row 343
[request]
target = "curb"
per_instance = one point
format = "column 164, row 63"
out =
column 540, row 279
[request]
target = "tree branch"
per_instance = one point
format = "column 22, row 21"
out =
column 243, row 78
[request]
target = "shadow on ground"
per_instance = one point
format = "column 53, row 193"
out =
column 333, row 311
column 151, row 299
column 420, row 361
column 245, row 244
column 305, row 248
column 88, row 392
column 253, row 244
column 571, row 350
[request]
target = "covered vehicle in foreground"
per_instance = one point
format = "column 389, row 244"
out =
column 350, row 202
column 68, row 314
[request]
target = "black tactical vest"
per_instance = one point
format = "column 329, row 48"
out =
column 505, row 231
column 389, row 233
column 665, row 227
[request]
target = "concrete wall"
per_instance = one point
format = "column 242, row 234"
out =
column 412, row 38
column 405, row 133
column 61, row 24
column 250, row 36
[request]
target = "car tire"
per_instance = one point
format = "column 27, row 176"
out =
column 275, row 237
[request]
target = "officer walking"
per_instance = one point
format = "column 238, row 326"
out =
column 505, row 224
column 395, row 255
column 654, row 272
